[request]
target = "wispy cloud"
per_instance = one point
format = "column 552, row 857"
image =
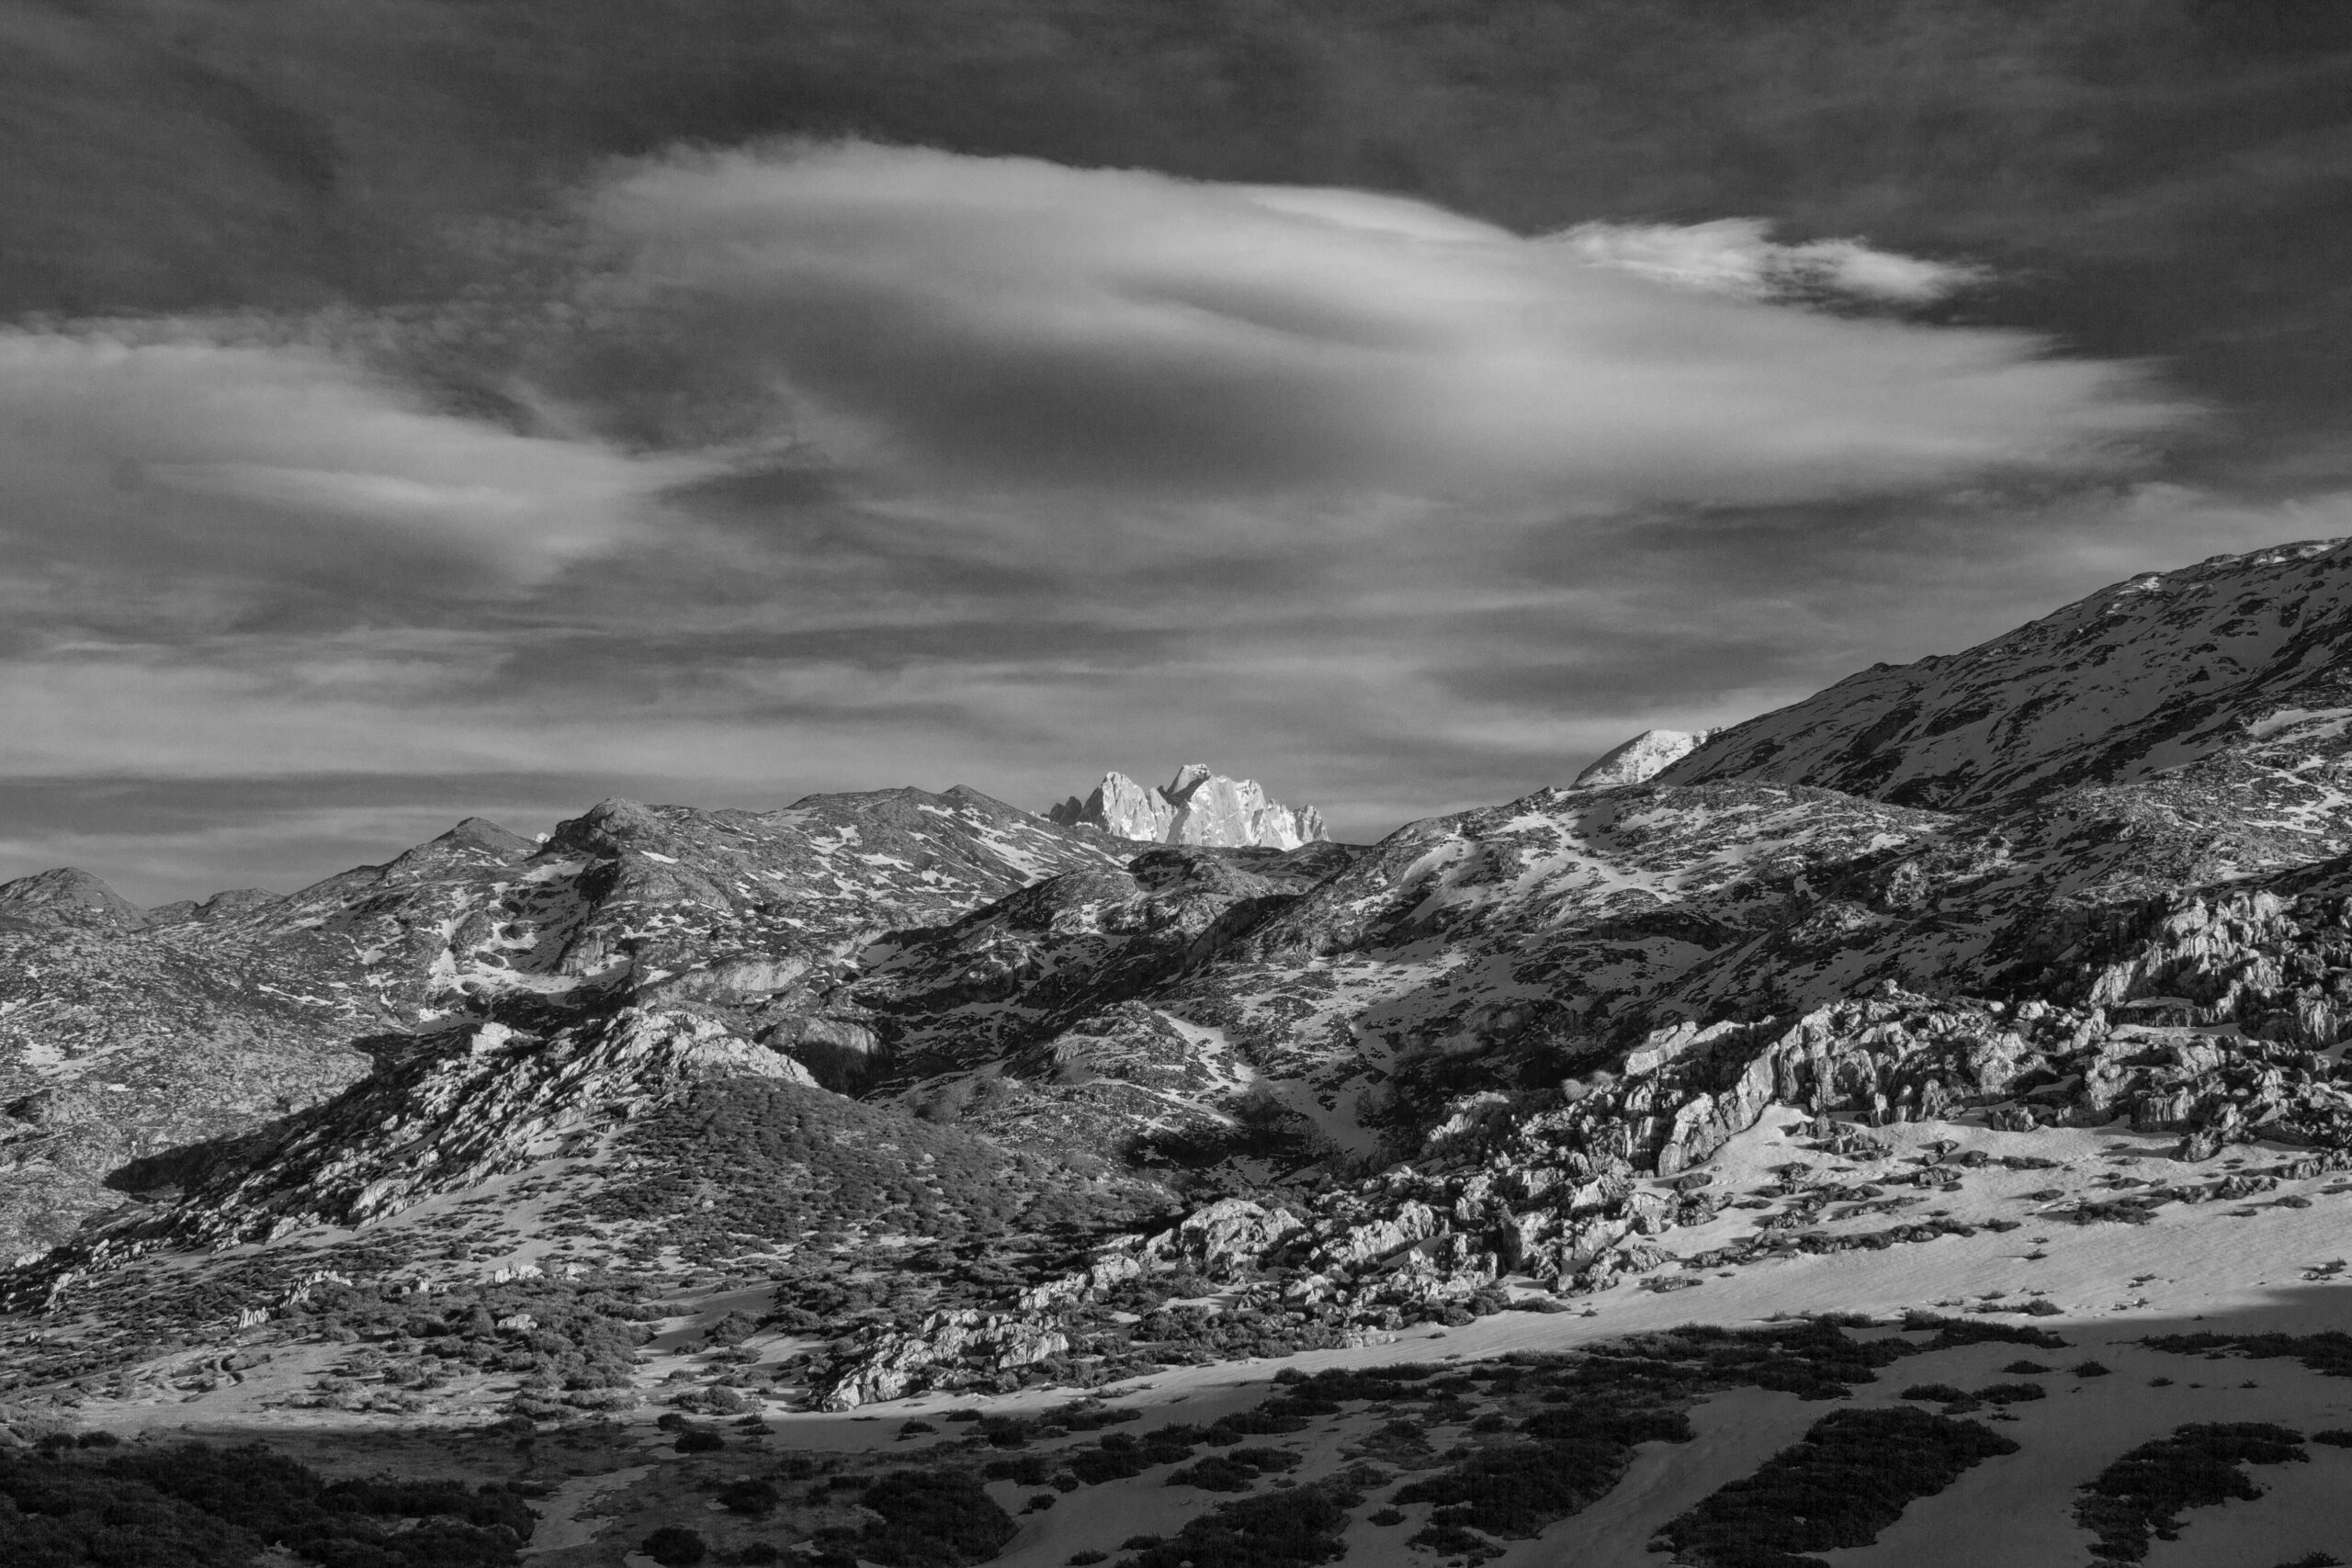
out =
column 999, row 322
column 845, row 466
column 211, row 448
column 1737, row 256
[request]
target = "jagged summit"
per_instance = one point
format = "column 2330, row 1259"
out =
column 1199, row 806
column 2237, row 653
column 1642, row 757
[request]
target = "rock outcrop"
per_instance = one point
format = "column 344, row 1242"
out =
column 1641, row 758
column 1197, row 806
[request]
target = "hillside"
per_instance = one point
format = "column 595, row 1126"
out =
column 1997, row 1003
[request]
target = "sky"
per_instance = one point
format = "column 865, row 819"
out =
column 420, row 409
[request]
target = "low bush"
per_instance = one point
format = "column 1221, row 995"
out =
column 674, row 1546
column 195, row 1503
column 1849, row 1477
column 1296, row 1529
column 1935, row 1393
column 2142, row 1493
column 750, row 1495
column 2011, row 1392
column 932, row 1519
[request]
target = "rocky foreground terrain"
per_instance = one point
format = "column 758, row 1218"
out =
column 1909, row 1127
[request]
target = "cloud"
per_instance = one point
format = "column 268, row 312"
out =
column 1736, row 257
column 206, row 448
column 1006, row 323
column 844, row 466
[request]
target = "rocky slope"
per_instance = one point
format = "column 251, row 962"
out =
column 2242, row 655
column 1239, row 1098
column 1197, row 806
column 124, row 1035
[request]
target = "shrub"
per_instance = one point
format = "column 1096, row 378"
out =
column 750, row 1495
column 672, row 1546
column 2089, row 1370
column 932, row 1519
column 2011, row 1392
column 699, row 1441
column 1296, row 1529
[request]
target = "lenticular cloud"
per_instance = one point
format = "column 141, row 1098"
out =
column 1023, row 324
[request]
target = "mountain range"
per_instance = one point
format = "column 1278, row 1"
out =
column 903, row 1094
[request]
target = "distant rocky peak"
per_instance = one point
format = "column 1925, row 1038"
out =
column 609, row 826
column 1199, row 806
column 1650, row 752
column 67, row 890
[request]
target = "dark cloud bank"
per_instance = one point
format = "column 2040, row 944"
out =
column 413, row 409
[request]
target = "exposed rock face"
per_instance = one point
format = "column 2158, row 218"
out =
column 1642, row 757
column 470, row 1104
column 1197, row 806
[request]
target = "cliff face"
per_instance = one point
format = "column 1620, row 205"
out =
column 1197, row 806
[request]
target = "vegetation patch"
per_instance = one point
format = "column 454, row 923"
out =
column 1292, row 1528
column 198, row 1504
column 2142, row 1493
column 1235, row 1469
column 1577, row 1454
column 929, row 1519
column 1849, row 1478
column 2328, row 1353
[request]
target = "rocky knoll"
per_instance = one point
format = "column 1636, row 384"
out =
column 1197, row 806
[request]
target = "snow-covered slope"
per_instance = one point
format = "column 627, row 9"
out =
column 1642, row 758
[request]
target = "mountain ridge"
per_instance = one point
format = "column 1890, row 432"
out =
column 1501, row 1059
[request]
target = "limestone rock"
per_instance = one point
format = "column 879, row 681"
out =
column 1641, row 758
column 1197, row 806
